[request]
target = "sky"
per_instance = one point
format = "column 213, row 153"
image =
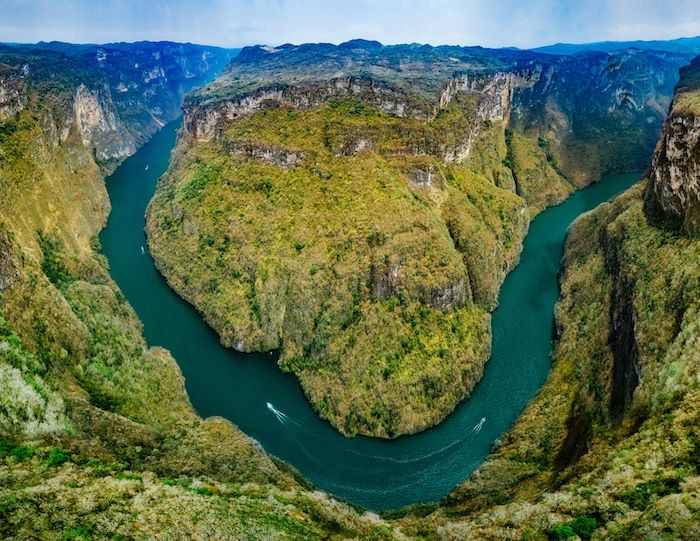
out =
column 234, row 23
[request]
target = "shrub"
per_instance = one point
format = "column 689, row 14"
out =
column 8, row 504
column 562, row 532
column 202, row 491
column 6, row 447
column 57, row 456
column 82, row 533
column 18, row 452
column 584, row 526
column 203, row 176
column 22, row 452
column 640, row 497
column 52, row 264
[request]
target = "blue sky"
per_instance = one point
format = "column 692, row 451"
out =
column 232, row 23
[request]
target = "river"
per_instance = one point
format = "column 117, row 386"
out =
column 268, row 405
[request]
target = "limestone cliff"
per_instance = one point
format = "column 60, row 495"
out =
column 673, row 194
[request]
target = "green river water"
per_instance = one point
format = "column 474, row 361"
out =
column 250, row 391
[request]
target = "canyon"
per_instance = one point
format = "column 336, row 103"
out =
column 99, row 439
column 357, row 207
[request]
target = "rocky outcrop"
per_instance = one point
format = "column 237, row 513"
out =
column 387, row 280
column 205, row 121
column 100, row 125
column 673, row 194
column 449, row 297
column 274, row 155
column 493, row 95
column 9, row 271
column 12, row 99
column 425, row 178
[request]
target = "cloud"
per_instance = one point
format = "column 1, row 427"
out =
column 494, row 23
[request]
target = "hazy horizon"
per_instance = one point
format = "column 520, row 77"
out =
column 235, row 23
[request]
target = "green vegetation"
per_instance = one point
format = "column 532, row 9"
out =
column 581, row 527
column 319, row 237
column 93, row 423
column 57, row 457
column 687, row 97
column 636, row 476
column 357, row 207
column 51, row 264
column 9, row 448
column 98, row 440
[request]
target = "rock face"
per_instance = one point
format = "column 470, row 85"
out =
column 599, row 112
column 127, row 93
column 673, row 193
column 12, row 101
column 9, row 272
column 494, row 95
column 278, row 156
column 100, row 126
column 202, row 120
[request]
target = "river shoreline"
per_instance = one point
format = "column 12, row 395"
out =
column 376, row 474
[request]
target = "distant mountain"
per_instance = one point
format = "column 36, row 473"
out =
column 680, row 45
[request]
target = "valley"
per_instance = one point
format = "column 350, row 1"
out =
column 360, row 213
column 374, row 222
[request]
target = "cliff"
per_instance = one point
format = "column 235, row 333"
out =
column 612, row 436
column 357, row 207
column 673, row 194
column 98, row 439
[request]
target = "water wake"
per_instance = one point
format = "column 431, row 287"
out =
column 477, row 427
column 281, row 416
column 286, row 419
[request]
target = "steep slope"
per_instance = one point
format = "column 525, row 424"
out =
column 97, row 437
column 613, row 436
column 673, row 197
column 357, row 207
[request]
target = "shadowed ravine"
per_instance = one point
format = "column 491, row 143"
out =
column 266, row 404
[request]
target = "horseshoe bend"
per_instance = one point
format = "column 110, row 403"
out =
column 348, row 291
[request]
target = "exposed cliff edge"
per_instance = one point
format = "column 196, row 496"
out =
column 357, row 207
column 97, row 438
column 673, row 194
column 613, row 434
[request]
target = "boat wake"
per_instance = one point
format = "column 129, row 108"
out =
column 286, row 420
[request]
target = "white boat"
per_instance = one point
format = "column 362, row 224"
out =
column 147, row 168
